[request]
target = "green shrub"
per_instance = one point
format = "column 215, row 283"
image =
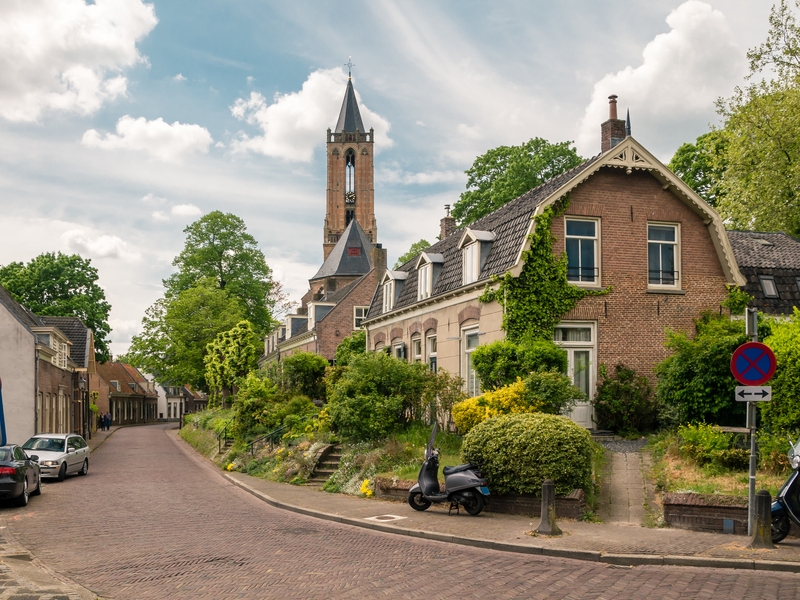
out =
column 696, row 380
column 304, row 373
column 783, row 412
column 503, row 362
column 699, row 441
column 353, row 345
column 735, row 459
column 367, row 416
column 552, row 391
column 624, row 402
column 518, row 452
column 773, row 448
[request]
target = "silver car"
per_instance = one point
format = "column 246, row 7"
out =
column 59, row 454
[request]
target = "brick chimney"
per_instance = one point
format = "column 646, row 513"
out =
column 447, row 225
column 612, row 132
column 378, row 259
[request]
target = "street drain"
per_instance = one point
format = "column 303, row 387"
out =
column 384, row 518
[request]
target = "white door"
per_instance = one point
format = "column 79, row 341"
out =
column 578, row 340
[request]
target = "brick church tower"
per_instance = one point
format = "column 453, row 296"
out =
column 351, row 189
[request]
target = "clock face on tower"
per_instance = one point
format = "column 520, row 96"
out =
column 350, row 197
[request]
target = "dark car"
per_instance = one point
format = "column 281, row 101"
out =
column 19, row 475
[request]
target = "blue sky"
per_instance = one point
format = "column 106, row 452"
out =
column 124, row 120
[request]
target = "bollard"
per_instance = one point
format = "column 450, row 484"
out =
column 762, row 528
column 548, row 525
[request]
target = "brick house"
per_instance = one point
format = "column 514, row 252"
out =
column 131, row 398
column 340, row 292
column 194, row 400
column 631, row 225
column 770, row 262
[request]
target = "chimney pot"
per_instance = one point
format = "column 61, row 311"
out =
column 612, row 106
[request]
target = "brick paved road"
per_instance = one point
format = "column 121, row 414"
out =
column 151, row 521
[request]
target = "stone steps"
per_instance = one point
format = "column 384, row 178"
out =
column 325, row 468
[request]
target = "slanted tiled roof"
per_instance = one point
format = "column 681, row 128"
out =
column 771, row 254
column 76, row 332
column 349, row 115
column 339, row 262
column 342, row 292
column 509, row 223
column 20, row 312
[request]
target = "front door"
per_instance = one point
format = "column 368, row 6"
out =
column 578, row 339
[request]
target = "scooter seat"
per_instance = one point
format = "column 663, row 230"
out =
column 450, row 470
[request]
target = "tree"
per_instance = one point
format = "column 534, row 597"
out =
column 177, row 330
column 507, row 172
column 219, row 248
column 762, row 126
column 230, row 357
column 702, row 165
column 61, row 285
column 415, row 250
column 353, row 345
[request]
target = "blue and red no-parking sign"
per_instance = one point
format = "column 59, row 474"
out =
column 753, row 363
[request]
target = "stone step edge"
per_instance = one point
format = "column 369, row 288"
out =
column 630, row 560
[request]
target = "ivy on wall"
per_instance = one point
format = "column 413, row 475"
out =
column 535, row 301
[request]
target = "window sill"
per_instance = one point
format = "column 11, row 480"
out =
column 666, row 291
column 594, row 288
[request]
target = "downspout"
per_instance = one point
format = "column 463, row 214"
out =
column 36, row 415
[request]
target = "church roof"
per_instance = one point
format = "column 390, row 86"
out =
column 349, row 116
column 350, row 256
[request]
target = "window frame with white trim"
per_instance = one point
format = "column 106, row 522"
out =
column 472, row 384
column 577, row 244
column 358, row 319
column 661, row 245
column 584, row 352
column 431, row 347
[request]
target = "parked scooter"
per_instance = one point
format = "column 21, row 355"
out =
column 786, row 507
column 464, row 485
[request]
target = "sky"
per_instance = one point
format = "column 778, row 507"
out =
column 122, row 121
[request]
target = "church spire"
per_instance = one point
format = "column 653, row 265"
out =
column 349, row 116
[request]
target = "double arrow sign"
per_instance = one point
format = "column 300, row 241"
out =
column 754, row 393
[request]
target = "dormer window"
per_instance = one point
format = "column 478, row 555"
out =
column 475, row 246
column 428, row 268
column 392, row 286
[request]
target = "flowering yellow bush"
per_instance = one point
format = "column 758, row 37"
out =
column 366, row 489
column 506, row 400
column 231, row 467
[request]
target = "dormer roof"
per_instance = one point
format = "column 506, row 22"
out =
column 428, row 258
column 475, row 235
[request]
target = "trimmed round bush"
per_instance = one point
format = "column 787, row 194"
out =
column 518, row 452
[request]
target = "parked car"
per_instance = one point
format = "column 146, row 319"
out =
column 60, row 454
column 19, row 475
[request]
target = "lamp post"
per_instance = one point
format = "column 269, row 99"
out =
column 87, row 431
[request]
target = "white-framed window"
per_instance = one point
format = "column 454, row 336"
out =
column 399, row 350
column 424, row 280
column 359, row 314
column 472, row 262
column 583, row 257
column 768, row 286
column 470, row 341
column 431, row 348
column 416, row 349
column 379, row 347
column 388, row 296
column 578, row 338
column 663, row 255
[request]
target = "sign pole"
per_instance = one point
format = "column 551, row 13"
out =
column 751, row 325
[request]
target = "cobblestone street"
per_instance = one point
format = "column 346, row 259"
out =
column 151, row 521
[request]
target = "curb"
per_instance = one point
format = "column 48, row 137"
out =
column 626, row 560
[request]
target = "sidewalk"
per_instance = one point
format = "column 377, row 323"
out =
column 617, row 543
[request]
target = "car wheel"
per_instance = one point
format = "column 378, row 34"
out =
column 38, row 490
column 22, row 499
column 62, row 472
column 85, row 469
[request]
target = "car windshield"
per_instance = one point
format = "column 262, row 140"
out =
column 45, row 444
column 5, row 454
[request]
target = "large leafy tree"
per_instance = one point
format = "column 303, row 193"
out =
column 219, row 248
column 762, row 127
column 230, row 357
column 178, row 328
column 415, row 249
column 61, row 285
column 507, row 172
column 702, row 165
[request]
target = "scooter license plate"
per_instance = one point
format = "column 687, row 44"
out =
column 484, row 490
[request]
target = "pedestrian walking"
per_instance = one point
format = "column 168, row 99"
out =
column 101, row 422
column 107, row 419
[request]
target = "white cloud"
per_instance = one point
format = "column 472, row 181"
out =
column 160, row 215
column 123, row 330
column 293, row 122
column 250, row 79
column 103, row 246
column 185, row 210
column 682, row 73
column 66, row 55
column 179, row 77
column 399, row 176
column 162, row 140
column 153, row 200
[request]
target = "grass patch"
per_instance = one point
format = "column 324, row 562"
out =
column 405, row 451
column 202, row 440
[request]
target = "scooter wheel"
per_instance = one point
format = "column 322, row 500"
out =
column 418, row 501
column 780, row 528
column 474, row 505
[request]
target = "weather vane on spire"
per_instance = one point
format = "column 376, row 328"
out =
column 349, row 64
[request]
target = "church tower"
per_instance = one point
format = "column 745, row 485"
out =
column 351, row 189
